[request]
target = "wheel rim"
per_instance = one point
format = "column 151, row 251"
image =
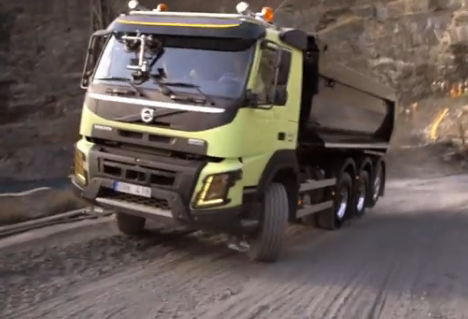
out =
column 361, row 197
column 343, row 205
column 377, row 185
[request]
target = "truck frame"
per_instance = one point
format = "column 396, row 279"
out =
column 296, row 139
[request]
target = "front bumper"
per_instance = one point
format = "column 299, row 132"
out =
column 163, row 203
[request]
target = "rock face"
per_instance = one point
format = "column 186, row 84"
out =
column 415, row 46
column 406, row 44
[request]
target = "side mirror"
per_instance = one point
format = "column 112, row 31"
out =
column 85, row 79
column 280, row 96
column 92, row 53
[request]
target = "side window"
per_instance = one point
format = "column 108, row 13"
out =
column 284, row 68
column 266, row 76
column 275, row 65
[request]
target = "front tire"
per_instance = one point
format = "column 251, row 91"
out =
column 130, row 225
column 267, row 243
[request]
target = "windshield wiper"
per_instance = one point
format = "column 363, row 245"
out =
column 157, row 116
column 129, row 81
column 191, row 86
column 164, row 88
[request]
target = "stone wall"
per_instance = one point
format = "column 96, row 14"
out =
column 41, row 55
column 403, row 41
column 408, row 44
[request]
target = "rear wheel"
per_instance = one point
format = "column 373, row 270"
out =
column 376, row 187
column 266, row 244
column 129, row 224
column 361, row 194
column 334, row 217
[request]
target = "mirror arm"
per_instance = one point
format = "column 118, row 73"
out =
column 251, row 99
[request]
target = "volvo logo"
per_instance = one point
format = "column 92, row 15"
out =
column 147, row 115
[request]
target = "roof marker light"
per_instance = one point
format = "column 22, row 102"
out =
column 133, row 4
column 267, row 14
column 242, row 8
column 161, row 7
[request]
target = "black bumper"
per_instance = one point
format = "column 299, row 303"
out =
column 166, row 203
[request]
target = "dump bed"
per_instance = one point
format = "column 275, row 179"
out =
column 350, row 109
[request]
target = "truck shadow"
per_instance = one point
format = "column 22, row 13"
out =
column 421, row 252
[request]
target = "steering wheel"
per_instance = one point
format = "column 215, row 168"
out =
column 228, row 77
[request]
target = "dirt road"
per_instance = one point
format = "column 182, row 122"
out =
column 406, row 259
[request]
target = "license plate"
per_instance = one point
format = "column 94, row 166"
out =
column 132, row 189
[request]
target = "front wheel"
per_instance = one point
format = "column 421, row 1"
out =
column 266, row 244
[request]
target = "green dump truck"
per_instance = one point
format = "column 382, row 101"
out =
column 229, row 123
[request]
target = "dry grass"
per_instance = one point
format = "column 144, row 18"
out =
column 36, row 205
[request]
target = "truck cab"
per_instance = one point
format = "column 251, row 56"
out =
column 203, row 119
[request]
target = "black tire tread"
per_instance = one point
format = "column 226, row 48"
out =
column 267, row 244
column 327, row 219
column 129, row 224
column 363, row 175
column 371, row 202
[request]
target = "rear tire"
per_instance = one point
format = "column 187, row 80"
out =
column 129, row 224
column 333, row 218
column 267, row 243
column 361, row 194
column 376, row 186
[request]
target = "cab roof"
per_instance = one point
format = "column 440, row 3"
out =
column 190, row 24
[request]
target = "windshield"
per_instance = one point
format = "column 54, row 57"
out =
column 219, row 67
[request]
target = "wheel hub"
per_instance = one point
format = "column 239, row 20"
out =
column 343, row 205
column 361, row 197
column 377, row 185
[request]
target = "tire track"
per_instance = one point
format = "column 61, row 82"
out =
column 173, row 259
column 406, row 259
column 297, row 290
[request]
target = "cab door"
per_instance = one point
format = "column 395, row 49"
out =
column 274, row 109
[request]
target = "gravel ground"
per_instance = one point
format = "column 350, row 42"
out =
column 405, row 259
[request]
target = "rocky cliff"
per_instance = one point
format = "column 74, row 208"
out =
column 416, row 46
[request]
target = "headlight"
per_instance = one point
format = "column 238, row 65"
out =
column 216, row 187
column 78, row 167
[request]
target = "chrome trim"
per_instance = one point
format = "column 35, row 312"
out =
column 136, row 207
column 165, row 105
